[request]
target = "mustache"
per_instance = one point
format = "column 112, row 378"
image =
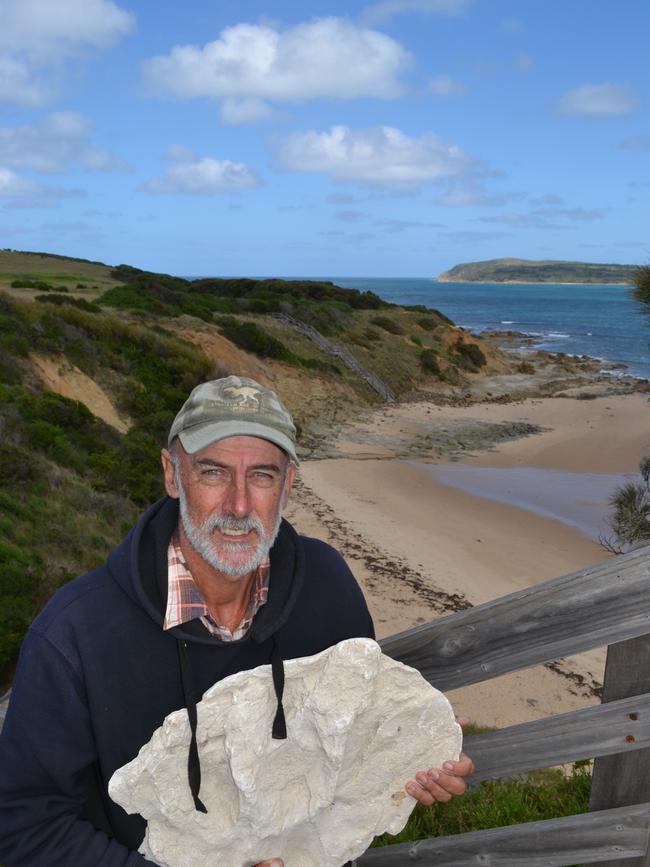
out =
column 232, row 522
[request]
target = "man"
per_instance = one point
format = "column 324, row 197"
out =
column 211, row 581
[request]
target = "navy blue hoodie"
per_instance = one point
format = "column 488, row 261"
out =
column 97, row 675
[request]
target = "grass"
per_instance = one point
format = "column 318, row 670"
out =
column 50, row 268
column 544, row 794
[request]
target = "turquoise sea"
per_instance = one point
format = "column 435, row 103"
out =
column 585, row 319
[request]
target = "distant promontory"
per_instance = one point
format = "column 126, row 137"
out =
column 542, row 271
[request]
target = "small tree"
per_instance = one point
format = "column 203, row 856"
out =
column 641, row 289
column 630, row 518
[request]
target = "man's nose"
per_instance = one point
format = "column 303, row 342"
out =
column 239, row 502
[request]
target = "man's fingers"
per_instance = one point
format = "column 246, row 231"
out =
column 435, row 786
column 462, row 768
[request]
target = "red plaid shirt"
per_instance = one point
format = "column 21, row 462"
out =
column 186, row 602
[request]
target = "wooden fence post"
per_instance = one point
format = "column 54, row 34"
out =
column 624, row 779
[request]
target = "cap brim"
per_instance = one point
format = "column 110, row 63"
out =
column 201, row 436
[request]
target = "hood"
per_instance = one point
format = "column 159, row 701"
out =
column 139, row 566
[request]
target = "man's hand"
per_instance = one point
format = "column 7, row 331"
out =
column 441, row 784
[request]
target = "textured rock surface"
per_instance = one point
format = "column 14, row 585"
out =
column 359, row 725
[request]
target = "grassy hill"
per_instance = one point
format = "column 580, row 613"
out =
column 95, row 362
column 542, row 271
column 76, row 275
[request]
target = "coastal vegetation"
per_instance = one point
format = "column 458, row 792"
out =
column 641, row 289
column 629, row 519
column 541, row 271
column 73, row 479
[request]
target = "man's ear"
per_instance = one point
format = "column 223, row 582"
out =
column 169, row 474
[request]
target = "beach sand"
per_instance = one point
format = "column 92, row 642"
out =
column 421, row 548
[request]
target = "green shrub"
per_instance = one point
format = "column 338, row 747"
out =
column 131, row 297
column 17, row 587
column 469, row 355
column 415, row 338
column 249, row 336
column 80, row 303
column 388, row 324
column 429, row 362
column 641, row 290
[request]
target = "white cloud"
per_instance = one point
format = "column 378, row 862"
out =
column 36, row 35
column 203, row 176
column 382, row 156
column 50, row 30
column 471, row 196
column 177, row 153
column 547, row 218
column 397, row 226
column 247, row 110
column 598, row 100
column 249, row 63
column 469, row 237
column 383, row 11
column 18, row 85
column 21, row 192
column 445, row 85
column 351, row 216
column 60, row 139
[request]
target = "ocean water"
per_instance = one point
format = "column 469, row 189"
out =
column 580, row 500
column 604, row 322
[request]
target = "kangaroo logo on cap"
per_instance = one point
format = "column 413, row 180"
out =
column 243, row 395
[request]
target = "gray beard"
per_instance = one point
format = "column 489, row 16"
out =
column 200, row 538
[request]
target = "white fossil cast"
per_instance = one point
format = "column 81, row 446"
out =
column 359, row 726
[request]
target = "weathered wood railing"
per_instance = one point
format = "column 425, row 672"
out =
column 607, row 604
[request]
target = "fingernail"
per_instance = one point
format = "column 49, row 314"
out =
column 421, row 778
column 448, row 766
column 411, row 789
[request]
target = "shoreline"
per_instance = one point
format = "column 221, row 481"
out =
column 533, row 282
column 421, row 549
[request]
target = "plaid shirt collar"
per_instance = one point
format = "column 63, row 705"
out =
column 186, row 602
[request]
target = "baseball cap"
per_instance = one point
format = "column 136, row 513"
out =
column 231, row 407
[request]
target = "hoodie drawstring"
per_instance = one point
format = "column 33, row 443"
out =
column 193, row 763
column 278, row 731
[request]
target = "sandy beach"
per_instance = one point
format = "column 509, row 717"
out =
column 421, row 548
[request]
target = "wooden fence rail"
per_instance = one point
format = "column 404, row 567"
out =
column 586, row 839
column 607, row 604
column 600, row 605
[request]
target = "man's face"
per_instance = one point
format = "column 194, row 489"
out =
column 231, row 498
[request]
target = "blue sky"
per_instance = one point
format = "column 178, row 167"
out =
column 394, row 138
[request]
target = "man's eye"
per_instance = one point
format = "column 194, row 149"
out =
column 262, row 478
column 212, row 472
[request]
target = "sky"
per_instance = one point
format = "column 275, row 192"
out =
column 394, row 138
